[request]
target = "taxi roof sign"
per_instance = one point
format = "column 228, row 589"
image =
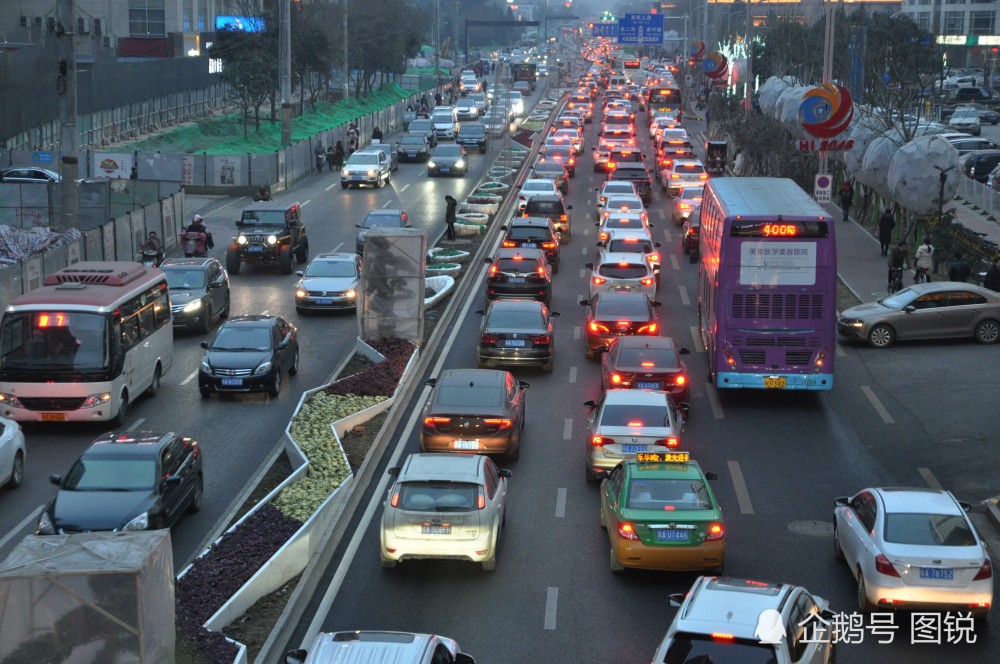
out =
column 663, row 457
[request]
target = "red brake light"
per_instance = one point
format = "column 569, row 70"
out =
column 508, row 244
column 703, row 176
column 648, row 364
column 395, row 498
column 646, row 282
column 488, row 339
column 502, row 423
column 518, row 258
column 671, row 442
column 481, row 503
column 681, row 379
column 653, row 258
column 716, row 531
column 883, row 566
column 432, row 422
column 541, row 340
column 627, row 531
column 597, row 327
column 674, row 176
column 494, row 269
column 599, row 280
column 548, row 245
column 985, row 572
column 616, row 379
column 600, row 441
column 717, row 636
column 648, row 329
column 634, row 423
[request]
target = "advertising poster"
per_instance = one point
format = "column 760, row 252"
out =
column 111, row 164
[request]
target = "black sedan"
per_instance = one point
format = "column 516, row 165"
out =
column 414, row 147
column 646, row 363
column 519, row 273
column 638, row 175
column 533, row 233
column 478, row 411
column 448, row 159
column 134, row 480
column 613, row 314
column 249, row 354
column 472, row 135
column 516, row 333
column 423, row 127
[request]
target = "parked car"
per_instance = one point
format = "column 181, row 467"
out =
column 199, row 291
column 965, row 120
column 979, row 164
column 29, row 175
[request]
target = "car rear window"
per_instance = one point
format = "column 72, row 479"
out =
column 617, row 120
column 623, row 270
column 521, row 319
column 689, row 168
column 516, row 265
column 469, row 396
column 634, row 415
column 619, row 309
column 438, row 496
column 649, row 358
column 696, row 648
column 529, row 233
column 928, row 529
column 543, row 207
column 631, row 246
column 667, row 494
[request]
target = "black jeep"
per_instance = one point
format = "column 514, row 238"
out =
column 269, row 232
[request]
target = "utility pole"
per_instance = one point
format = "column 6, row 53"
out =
column 749, row 93
column 347, row 65
column 65, row 31
column 824, row 158
column 437, row 42
column 285, row 65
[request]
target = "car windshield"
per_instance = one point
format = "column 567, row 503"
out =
column 448, row 151
column 668, row 494
column 517, row 319
column 899, row 299
column 363, row 158
column 623, row 270
column 382, row 221
column 331, row 269
column 263, row 218
column 634, row 416
column 703, row 649
column 413, row 141
column 928, row 529
column 688, row 169
column 105, row 474
column 632, row 308
column 469, row 396
column 549, row 168
column 692, row 194
column 54, row 341
column 559, row 151
column 242, row 337
column 185, row 279
column 443, row 117
column 440, row 496
column 538, row 187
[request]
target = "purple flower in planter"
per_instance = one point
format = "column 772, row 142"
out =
column 378, row 379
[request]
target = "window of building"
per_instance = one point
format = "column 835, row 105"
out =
column 981, row 23
column 146, row 18
column 954, row 23
column 923, row 21
column 954, row 2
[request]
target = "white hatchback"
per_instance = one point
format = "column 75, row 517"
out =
column 446, row 506
column 622, row 272
column 12, row 453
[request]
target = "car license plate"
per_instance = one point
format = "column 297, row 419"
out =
column 932, row 573
column 53, row 417
column 529, row 245
column 630, row 449
column 514, row 343
column 466, row 444
column 232, row 382
column 671, row 535
column 411, row 154
column 358, row 177
column 324, row 300
column 427, row 529
column 515, row 280
column 647, row 386
column 775, row 382
column 444, row 170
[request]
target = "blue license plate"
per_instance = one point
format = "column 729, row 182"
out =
column 515, row 280
column 324, row 300
column 255, row 249
column 671, row 535
column 444, row 170
column 647, row 386
column 514, row 343
column 357, row 177
column 232, row 382
column 931, row 573
column 411, row 154
column 426, row 529
column 529, row 245
column 631, row 449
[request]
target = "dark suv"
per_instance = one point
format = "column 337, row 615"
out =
column 270, row 232
column 519, row 273
column 533, row 233
column 472, row 135
column 978, row 164
column 554, row 207
column 638, row 175
column 199, row 291
column 969, row 94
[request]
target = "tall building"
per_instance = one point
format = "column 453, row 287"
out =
column 969, row 30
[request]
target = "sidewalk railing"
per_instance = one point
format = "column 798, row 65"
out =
column 983, row 199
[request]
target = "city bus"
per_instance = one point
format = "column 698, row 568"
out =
column 86, row 344
column 663, row 98
column 767, row 285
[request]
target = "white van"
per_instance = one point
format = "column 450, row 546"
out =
column 374, row 646
column 617, row 80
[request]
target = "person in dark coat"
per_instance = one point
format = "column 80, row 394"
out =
column 846, row 198
column 449, row 216
column 376, row 134
column 959, row 268
column 338, row 155
column 992, row 280
column 886, row 223
column 438, row 98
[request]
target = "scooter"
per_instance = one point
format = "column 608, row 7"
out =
column 151, row 258
column 193, row 244
column 262, row 195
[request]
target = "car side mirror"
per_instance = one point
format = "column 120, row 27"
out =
column 840, row 501
column 56, row 479
column 711, row 476
column 676, row 599
column 300, row 273
column 590, row 403
column 965, row 506
column 204, row 344
column 683, row 351
column 523, row 384
column 506, row 474
column 652, row 225
column 589, row 266
column 657, row 245
column 480, row 312
column 657, row 304
column 487, row 260
column 569, row 207
column 295, row 656
column 503, row 228
column 394, row 471
column 554, row 314
column 431, row 382
column 584, row 303
column 685, row 408
column 462, row 658
column 602, row 474
column 909, row 308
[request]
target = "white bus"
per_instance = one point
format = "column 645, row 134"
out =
column 86, row 344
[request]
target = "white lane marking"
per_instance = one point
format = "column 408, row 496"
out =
column 307, row 202
column 583, row 251
column 192, row 376
column 928, row 476
column 713, row 400
column 742, row 494
column 331, row 186
column 568, row 429
column 586, row 231
column 386, row 204
column 16, row 530
column 583, row 272
column 699, row 347
column 588, row 216
column 685, row 300
column 352, row 548
column 840, row 351
column 877, row 405
column 404, row 187
column 667, row 235
column 674, row 263
column 576, row 332
column 338, row 246
column 218, row 209
column 136, row 424
column 663, row 214
column 551, row 600
column 572, row 374
column 560, row 503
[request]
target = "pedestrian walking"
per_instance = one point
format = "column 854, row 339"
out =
column 886, row 224
column 923, row 261
column 331, row 158
column 438, row 98
column 992, row 280
column 338, row 155
column 449, row 216
column 846, row 199
column 134, row 175
column 959, row 268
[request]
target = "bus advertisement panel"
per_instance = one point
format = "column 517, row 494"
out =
column 666, row 99
column 86, row 344
column 767, row 285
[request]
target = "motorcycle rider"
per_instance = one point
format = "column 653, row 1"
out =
column 153, row 246
column 263, row 194
column 195, row 238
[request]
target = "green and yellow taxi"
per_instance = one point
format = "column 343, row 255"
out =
column 661, row 514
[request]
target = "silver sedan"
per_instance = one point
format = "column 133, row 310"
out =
column 912, row 548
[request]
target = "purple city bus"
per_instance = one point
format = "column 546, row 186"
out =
column 767, row 285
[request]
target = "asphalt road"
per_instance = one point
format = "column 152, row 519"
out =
column 915, row 415
column 238, row 432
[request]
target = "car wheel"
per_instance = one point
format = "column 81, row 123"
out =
column 16, row 471
column 302, row 252
column 588, row 353
column 206, row 320
column 275, row 388
column 881, row 336
column 196, row 498
column 154, row 386
column 863, row 604
column 343, row 185
column 514, row 451
column 555, row 267
column 988, row 332
column 225, row 308
column 615, row 565
column 591, row 475
column 232, row 261
column 122, row 415
column 838, row 551
column 285, row 260
column 205, row 392
column 294, row 369
column 547, row 367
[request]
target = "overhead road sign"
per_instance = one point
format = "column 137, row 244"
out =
column 604, row 30
column 640, row 29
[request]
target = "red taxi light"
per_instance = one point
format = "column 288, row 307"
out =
column 716, row 531
column 654, row 258
column 627, row 531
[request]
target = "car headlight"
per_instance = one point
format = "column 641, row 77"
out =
column 431, row 164
column 193, row 305
column 300, row 292
column 205, row 366
column 10, row 400
column 345, row 172
column 241, row 239
column 460, row 163
column 371, row 172
column 45, row 525
column 140, row 522
column 351, row 293
column 272, row 239
column 262, row 369
column 854, row 322
column 95, row 400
